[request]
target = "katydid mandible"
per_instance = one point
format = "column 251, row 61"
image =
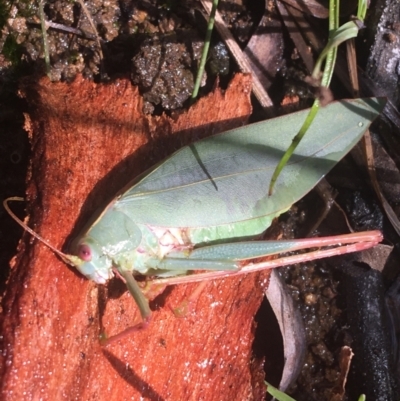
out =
column 202, row 208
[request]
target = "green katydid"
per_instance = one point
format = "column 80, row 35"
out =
column 202, row 208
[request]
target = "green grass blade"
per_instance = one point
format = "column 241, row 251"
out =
column 279, row 395
column 296, row 140
column 328, row 55
column 44, row 33
column 204, row 54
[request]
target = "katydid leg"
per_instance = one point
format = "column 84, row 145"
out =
column 342, row 244
column 140, row 300
column 246, row 250
column 137, row 294
column 120, row 336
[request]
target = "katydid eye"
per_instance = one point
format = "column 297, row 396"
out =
column 84, row 252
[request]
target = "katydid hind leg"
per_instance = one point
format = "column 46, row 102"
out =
column 255, row 249
column 338, row 245
column 179, row 262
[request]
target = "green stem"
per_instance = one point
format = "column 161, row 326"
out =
column 362, row 9
column 44, row 33
column 329, row 56
column 296, row 140
column 204, row 54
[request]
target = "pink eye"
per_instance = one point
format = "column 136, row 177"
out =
column 85, row 253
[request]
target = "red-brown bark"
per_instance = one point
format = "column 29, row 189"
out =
column 88, row 140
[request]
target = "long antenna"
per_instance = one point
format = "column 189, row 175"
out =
column 70, row 259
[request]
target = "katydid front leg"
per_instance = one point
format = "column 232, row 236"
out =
column 142, row 303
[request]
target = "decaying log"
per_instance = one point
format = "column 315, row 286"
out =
column 88, row 140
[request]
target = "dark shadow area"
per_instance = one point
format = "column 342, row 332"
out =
column 268, row 343
column 14, row 160
column 130, row 377
column 160, row 300
column 369, row 330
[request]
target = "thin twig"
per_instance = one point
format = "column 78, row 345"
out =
column 70, row 29
column 291, row 24
column 352, row 66
column 44, row 33
column 89, row 17
column 239, row 56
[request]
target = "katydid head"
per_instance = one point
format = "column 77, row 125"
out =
column 87, row 257
column 91, row 261
column 103, row 244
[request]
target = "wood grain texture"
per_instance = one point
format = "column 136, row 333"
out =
column 88, row 140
